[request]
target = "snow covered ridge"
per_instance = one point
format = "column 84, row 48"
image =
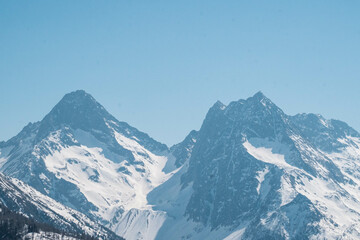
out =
column 23, row 199
column 250, row 172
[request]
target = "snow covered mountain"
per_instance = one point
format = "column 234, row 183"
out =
column 250, row 172
column 26, row 201
column 253, row 172
column 83, row 157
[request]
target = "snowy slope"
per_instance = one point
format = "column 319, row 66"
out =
column 107, row 184
column 117, row 189
column 21, row 198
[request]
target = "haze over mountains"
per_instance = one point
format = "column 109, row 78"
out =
column 250, row 172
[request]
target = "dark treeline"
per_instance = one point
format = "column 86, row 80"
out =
column 15, row 226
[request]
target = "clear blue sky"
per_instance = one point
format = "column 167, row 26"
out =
column 159, row 65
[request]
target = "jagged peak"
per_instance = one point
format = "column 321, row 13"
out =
column 320, row 120
column 218, row 105
column 78, row 92
column 77, row 109
column 260, row 100
column 78, row 102
column 259, row 95
column 77, row 99
column 217, row 108
column 310, row 116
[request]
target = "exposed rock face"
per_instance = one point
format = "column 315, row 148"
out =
column 256, row 173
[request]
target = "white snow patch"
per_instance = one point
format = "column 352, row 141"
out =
column 269, row 152
column 140, row 224
column 237, row 235
column 43, row 177
column 287, row 190
column 323, row 121
column 260, row 177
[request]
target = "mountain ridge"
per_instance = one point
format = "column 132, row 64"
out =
column 251, row 153
column 250, row 172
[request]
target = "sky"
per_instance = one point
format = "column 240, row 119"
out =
column 160, row 65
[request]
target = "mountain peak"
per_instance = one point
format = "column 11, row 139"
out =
column 217, row 108
column 77, row 98
column 218, row 105
column 77, row 109
column 77, row 92
column 259, row 96
column 78, row 104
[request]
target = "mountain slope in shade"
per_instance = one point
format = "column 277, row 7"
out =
column 23, row 199
column 256, row 173
column 83, row 157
